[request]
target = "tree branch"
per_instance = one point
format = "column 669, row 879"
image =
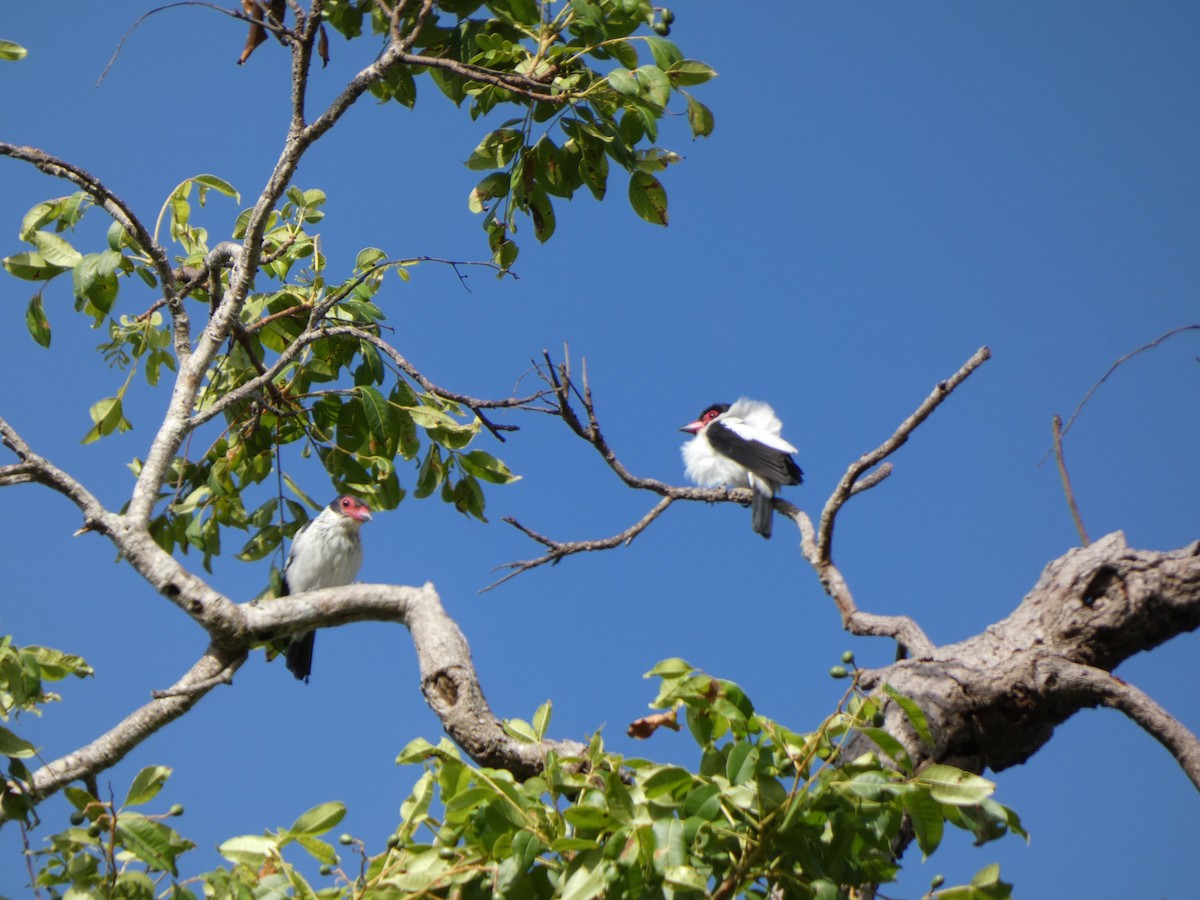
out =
column 994, row 699
column 559, row 549
column 123, row 215
column 845, row 488
column 448, row 678
column 1106, row 689
column 112, row 746
column 909, row 638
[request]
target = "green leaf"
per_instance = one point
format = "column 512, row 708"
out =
column 925, row 815
column 914, row 713
column 319, row 819
column 700, row 118
column 377, row 411
column 36, row 322
column 954, row 786
column 588, row 878
column 656, row 87
column 146, row 785
column 11, row 51
column 55, row 250
column 31, row 266
column 648, row 198
column 665, row 53
column 486, row 467
column 687, row 72
column 541, row 720
column 541, row 211
column 889, row 745
column 248, row 850
column 492, row 186
column 108, row 416
column 220, row 185
column 319, row 850
column 496, row 150
column 152, row 842
column 13, row 746
column 622, row 81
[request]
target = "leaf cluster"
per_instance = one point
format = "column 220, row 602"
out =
column 589, row 90
column 767, row 810
column 338, row 396
column 23, row 673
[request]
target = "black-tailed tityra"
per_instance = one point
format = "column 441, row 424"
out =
column 740, row 446
column 326, row 552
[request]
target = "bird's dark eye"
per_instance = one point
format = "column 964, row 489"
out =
column 345, row 502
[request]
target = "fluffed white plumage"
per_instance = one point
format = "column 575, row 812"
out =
column 326, row 552
column 741, row 446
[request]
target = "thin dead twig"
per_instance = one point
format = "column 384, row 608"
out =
column 1066, row 481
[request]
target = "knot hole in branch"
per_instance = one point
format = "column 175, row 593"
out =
column 1102, row 580
column 442, row 690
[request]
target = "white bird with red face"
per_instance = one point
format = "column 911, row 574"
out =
column 326, row 552
column 740, row 446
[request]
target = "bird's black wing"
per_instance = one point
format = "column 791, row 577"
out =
column 761, row 459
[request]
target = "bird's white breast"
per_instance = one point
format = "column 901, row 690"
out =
column 326, row 553
column 708, row 468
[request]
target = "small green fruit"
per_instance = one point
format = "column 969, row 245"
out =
column 176, row 810
column 326, row 869
column 937, row 881
column 93, row 830
column 446, row 853
column 848, row 657
column 838, row 672
column 345, row 839
column 662, row 29
column 668, row 17
column 393, row 842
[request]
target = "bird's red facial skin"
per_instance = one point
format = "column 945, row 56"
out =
column 354, row 508
column 705, row 417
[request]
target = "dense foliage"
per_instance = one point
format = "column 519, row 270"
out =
column 767, row 807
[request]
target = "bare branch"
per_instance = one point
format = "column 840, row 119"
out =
column 910, row 639
column 112, row 746
column 1124, row 359
column 559, row 549
column 1106, row 689
column 845, row 487
column 1056, row 427
column 35, row 468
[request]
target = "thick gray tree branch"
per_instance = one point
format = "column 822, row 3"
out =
column 994, row 699
column 449, row 682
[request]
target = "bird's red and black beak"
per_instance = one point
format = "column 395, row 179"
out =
column 694, row 427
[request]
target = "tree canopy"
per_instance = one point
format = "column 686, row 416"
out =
column 299, row 342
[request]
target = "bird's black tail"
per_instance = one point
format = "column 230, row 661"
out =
column 299, row 655
column 761, row 508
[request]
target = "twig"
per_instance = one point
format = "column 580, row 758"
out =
column 910, row 639
column 1066, row 481
column 845, row 487
column 221, row 9
column 559, row 549
column 1128, row 356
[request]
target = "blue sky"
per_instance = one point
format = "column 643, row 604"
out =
column 889, row 187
